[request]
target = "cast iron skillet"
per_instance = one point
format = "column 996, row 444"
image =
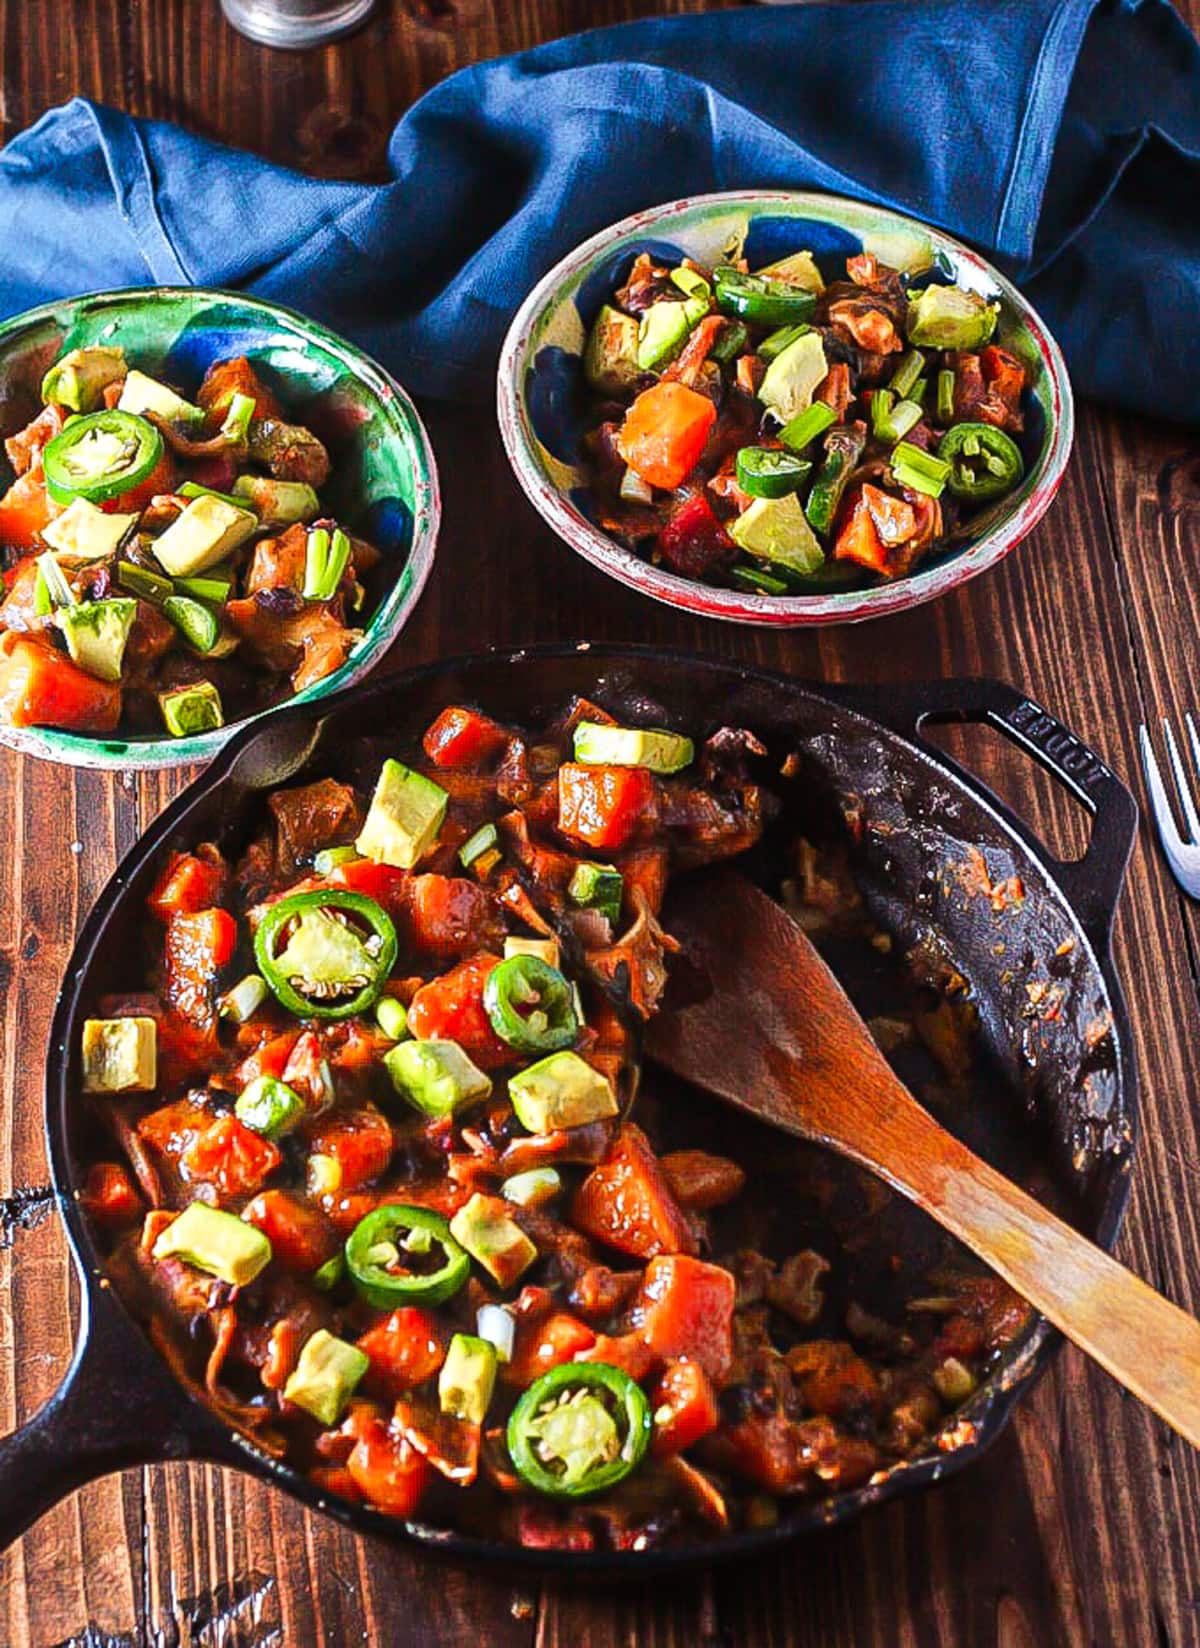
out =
column 119, row 1406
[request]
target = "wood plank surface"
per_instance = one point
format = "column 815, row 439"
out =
column 1079, row 1528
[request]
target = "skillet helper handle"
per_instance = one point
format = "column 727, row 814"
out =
column 1092, row 883
column 115, row 1408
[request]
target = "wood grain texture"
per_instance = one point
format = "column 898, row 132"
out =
column 1079, row 1529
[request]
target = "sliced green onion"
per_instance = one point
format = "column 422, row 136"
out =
column 906, row 415
column 327, row 1276
column 760, row 582
column 325, row 562
column 806, row 426
column 691, row 283
column 193, row 489
column 945, row 396
column 205, row 589
column 778, row 341
column 43, row 606
column 197, row 623
column 881, row 416
column 731, row 341
column 485, row 837
column 237, row 419
column 907, row 373
column 391, row 1017
column 498, row 1327
column 140, row 581
column 533, row 1187
column 921, row 471
column 919, row 390
column 244, row 1000
column 330, row 857
column 57, row 588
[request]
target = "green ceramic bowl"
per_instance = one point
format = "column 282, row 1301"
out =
column 384, row 482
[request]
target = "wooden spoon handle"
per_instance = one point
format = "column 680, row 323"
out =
column 1148, row 1344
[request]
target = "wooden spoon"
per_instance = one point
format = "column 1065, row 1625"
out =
column 778, row 1037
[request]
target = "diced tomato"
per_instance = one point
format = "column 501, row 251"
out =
column 542, row 1345
column 19, row 607
column 627, row 1351
column 24, row 449
column 604, row 806
column 307, row 1073
column 448, row 917
column 39, row 687
column 834, row 389
column 353, row 1045
column 858, row 537
column 227, row 1154
column 160, row 480
column 360, row 1141
column 186, row 1051
column 463, row 739
column 382, row 882
column 405, row 1350
column 109, row 1194
column 684, row 1406
column 693, row 542
column 451, row 1008
column 187, row 885
column 627, row 1203
column 235, row 376
column 268, row 1060
column 301, row 1237
column 388, row 1470
column 895, row 520
column 664, row 433
column 25, row 509
column 198, row 946
column 686, row 1309
column 1005, row 377
column 172, row 1128
column 336, row 1479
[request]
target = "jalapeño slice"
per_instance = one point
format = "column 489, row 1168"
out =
column 530, row 1005
column 101, row 456
column 579, row 1429
column 984, row 462
column 325, row 954
column 401, row 1255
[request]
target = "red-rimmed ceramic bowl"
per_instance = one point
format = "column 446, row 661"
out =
column 541, row 396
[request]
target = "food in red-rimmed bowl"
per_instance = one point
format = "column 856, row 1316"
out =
column 783, row 408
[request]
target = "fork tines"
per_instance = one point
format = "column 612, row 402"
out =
column 1182, row 850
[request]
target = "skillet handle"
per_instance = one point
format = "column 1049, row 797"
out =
column 116, row 1407
column 1092, row 883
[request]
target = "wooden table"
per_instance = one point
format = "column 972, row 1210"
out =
column 1080, row 1526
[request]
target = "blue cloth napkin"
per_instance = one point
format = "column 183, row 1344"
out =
column 1061, row 137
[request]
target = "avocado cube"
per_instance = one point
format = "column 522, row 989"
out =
column 468, row 1378
column 277, row 503
column 788, row 383
column 660, row 751
column 206, row 532
column 142, row 394
column 80, row 378
column 215, row 1242
column 777, row 530
column 436, row 1077
column 96, row 633
column 87, row 533
column 119, row 1055
column 598, row 887
column 326, row 1375
column 561, row 1091
column 545, row 949
column 610, row 360
column 950, row 317
column 493, row 1239
column 663, row 330
column 194, row 709
column 404, row 819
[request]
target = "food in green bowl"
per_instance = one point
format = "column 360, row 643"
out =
column 211, row 506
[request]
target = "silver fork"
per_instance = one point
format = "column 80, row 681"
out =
column 1183, row 851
